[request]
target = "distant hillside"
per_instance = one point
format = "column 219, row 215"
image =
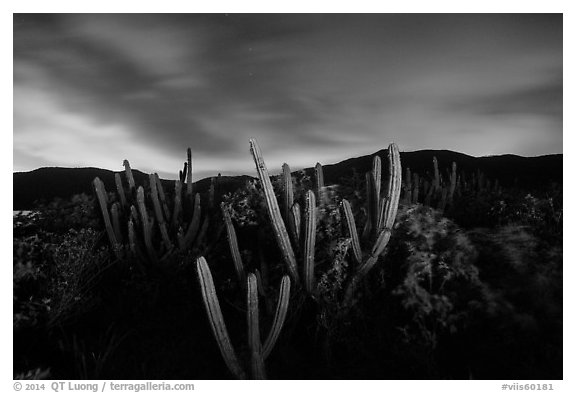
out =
column 525, row 172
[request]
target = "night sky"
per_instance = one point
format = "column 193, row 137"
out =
column 92, row 90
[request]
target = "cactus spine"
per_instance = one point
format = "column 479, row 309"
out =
column 216, row 319
column 309, row 240
column 274, row 212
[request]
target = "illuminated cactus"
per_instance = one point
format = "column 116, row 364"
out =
column 189, row 174
column 233, row 243
column 309, row 241
column 370, row 213
column 386, row 218
column 253, row 320
column 258, row 352
column 120, row 189
column 319, row 176
column 158, row 212
column 129, row 176
column 357, row 251
column 162, row 197
column 103, row 202
column 146, row 225
column 274, row 212
column 377, row 181
column 297, row 218
column 289, row 202
column 216, row 319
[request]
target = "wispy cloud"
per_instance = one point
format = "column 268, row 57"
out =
column 95, row 89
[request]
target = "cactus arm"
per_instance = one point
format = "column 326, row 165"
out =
column 390, row 207
column 115, row 211
column 120, row 189
column 189, row 174
column 297, row 217
column 158, row 212
column 274, row 212
column 254, row 343
column 188, row 238
column 279, row 317
column 177, row 204
column 377, row 181
column 216, row 319
column 101, row 195
column 129, row 176
column 233, row 243
column 369, row 206
column 319, row 174
column 309, row 240
column 350, row 223
column 162, row 196
column 453, row 181
column 145, row 223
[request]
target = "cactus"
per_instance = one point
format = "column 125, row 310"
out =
column 253, row 320
column 436, row 183
column 129, row 176
column 377, row 181
column 233, row 242
column 115, row 212
column 319, row 175
column 186, row 240
column 120, row 189
column 297, row 219
column 357, row 251
column 102, row 199
column 386, row 220
column 279, row 317
column 274, row 212
column 289, row 202
column 370, row 213
column 189, row 174
column 408, row 188
column 177, row 204
column 309, row 241
column 216, row 319
column 158, row 212
column 162, row 197
column 146, row 226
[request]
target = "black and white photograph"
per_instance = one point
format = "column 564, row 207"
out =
column 288, row 196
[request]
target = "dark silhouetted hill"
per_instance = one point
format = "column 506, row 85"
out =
column 530, row 173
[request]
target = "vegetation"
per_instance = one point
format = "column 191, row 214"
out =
column 423, row 276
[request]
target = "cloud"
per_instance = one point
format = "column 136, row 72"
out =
column 308, row 87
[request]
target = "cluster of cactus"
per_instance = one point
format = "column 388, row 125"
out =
column 258, row 351
column 135, row 218
column 441, row 190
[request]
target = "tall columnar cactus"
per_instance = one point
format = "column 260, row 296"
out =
column 436, row 184
column 319, row 176
column 158, row 212
column 253, row 320
column 274, row 212
column 103, row 202
column 377, row 181
column 288, row 192
column 453, row 181
column 258, row 352
column 370, row 212
column 309, row 241
column 186, row 241
column 408, row 188
column 162, row 196
column 129, row 176
column 216, row 318
column 120, row 189
column 189, row 174
column 233, row 243
column 386, row 218
column 297, row 219
column 350, row 223
column 146, row 225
